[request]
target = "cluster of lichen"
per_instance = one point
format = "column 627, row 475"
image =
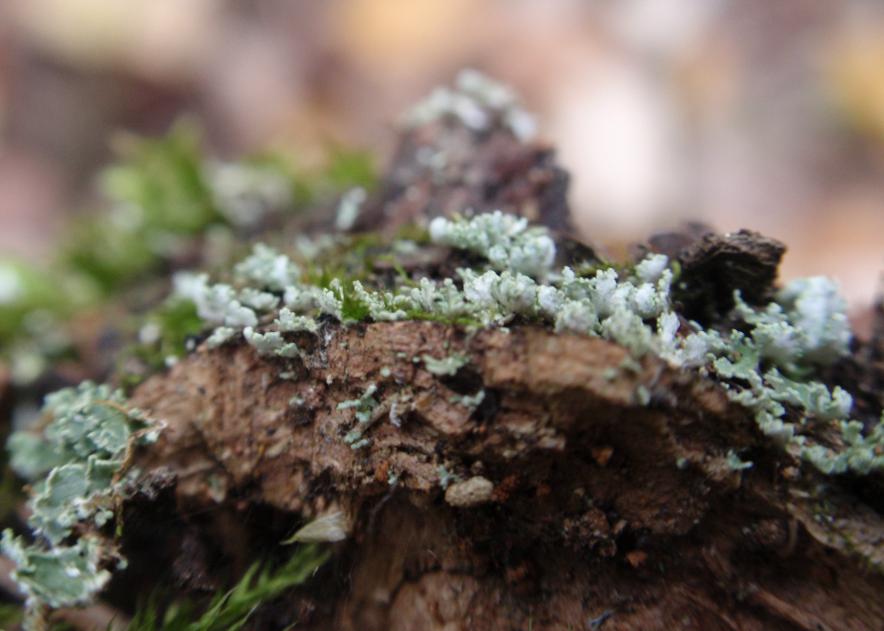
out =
column 73, row 466
column 768, row 364
column 164, row 203
column 477, row 102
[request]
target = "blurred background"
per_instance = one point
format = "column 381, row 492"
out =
column 740, row 113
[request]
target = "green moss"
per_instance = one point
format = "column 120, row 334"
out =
column 166, row 332
column 232, row 609
column 160, row 198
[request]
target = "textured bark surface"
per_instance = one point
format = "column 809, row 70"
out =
column 587, row 490
column 443, row 168
column 604, row 512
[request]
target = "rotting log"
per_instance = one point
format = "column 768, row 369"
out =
column 552, row 481
column 584, row 489
column 605, row 511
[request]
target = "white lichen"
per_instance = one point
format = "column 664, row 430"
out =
column 289, row 322
column 262, row 301
column 476, row 101
column 216, row 304
column 765, row 364
column 447, row 365
column 267, row 268
column 505, row 240
column 220, row 336
column 349, row 207
column 270, row 343
column 244, row 193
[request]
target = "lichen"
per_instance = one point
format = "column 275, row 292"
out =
column 348, row 208
column 735, row 463
column 365, row 407
column 270, row 343
column 446, row 478
column 505, row 240
column 476, row 101
column 767, row 363
column 447, row 365
column 73, row 466
column 268, row 269
column 289, row 322
column 163, row 202
column 469, row 400
column 220, row 336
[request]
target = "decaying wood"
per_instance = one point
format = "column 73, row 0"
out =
column 587, row 490
column 604, row 512
column 443, row 168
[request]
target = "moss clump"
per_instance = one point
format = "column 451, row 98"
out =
column 163, row 200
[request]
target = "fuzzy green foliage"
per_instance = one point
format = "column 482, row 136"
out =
column 161, row 197
column 72, row 466
column 25, row 290
column 10, row 616
column 233, row 609
column 158, row 195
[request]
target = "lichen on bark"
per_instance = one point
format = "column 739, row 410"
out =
column 493, row 428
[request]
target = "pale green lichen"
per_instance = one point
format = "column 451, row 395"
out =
column 505, row 240
column 469, row 400
column 270, row 343
column 809, row 329
column 60, row 576
column 73, row 466
column 268, row 268
column 735, row 463
column 766, row 364
column 476, row 101
column 260, row 301
column 365, row 407
column 447, row 366
column 220, row 336
column 446, row 477
column 289, row 322
column 348, row 208
column 216, row 304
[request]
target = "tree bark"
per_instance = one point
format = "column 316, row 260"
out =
column 602, row 511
